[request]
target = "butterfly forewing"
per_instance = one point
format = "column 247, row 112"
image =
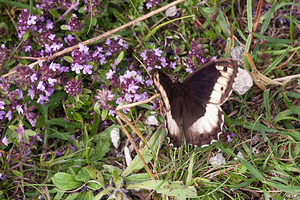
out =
column 172, row 103
column 212, row 83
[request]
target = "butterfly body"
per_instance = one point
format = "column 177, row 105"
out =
column 193, row 106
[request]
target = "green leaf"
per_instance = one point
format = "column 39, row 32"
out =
column 102, row 148
column 94, row 185
column 152, row 32
column 77, row 117
column 249, row 15
column 65, row 181
column 258, row 127
column 190, row 171
column 103, row 193
column 25, row 36
column 277, row 61
column 59, row 195
column 137, row 178
column 155, row 142
column 173, row 189
column 268, row 17
column 30, row 132
column 97, row 108
column 68, row 59
column 267, row 104
column 83, row 175
column 256, row 173
column 17, row 173
column 104, row 114
column 284, row 188
column 72, row 196
column 120, row 57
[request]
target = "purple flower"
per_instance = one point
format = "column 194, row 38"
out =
column 5, row 141
column 144, row 56
column 148, row 5
column 63, row 69
column 19, row 109
column 149, row 82
column 139, row 79
column 119, row 100
column 87, row 69
column 83, row 48
column 33, row 77
column 110, row 74
column 132, row 88
column 129, row 74
column 1, row 114
column 20, row 131
column 128, row 98
column 49, row 24
column 32, row 20
column 173, row 65
column 9, row 115
column 31, row 93
column 153, row 106
column 229, row 137
column 73, row 87
column 111, row 112
column 41, row 86
column 157, row 52
column 54, row 66
column 42, row 99
column 51, row 81
column 2, row 103
column 77, row 67
column 51, row 36
column 27, row 49
column 151, row 3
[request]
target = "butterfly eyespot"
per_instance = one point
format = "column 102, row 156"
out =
column 222, row 88
column 225, row 69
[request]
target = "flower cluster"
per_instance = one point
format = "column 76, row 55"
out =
column 151, row 3
column 39, row 27
column 37, row 84
column 73, row 24
column 80, row 58
column 152, row 58
column 4, row 54
column 26, row 23
column 130, row 84
column 195, row 57
column 73, row 87
column 91, row 6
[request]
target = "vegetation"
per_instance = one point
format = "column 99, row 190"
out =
column 58, row 125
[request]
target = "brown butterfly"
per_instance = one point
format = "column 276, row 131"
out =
column 193, row 106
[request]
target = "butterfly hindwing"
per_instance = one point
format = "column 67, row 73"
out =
column 202, row 123
column 172, row 105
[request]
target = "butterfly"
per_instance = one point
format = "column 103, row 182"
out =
column 193, row 106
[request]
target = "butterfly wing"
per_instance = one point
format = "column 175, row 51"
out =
column 172, row 103
column 212, row 83
column 202, row 123
column 204, row 91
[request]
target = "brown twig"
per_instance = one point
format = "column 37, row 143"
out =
column 134, row 146
column 121, row 107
